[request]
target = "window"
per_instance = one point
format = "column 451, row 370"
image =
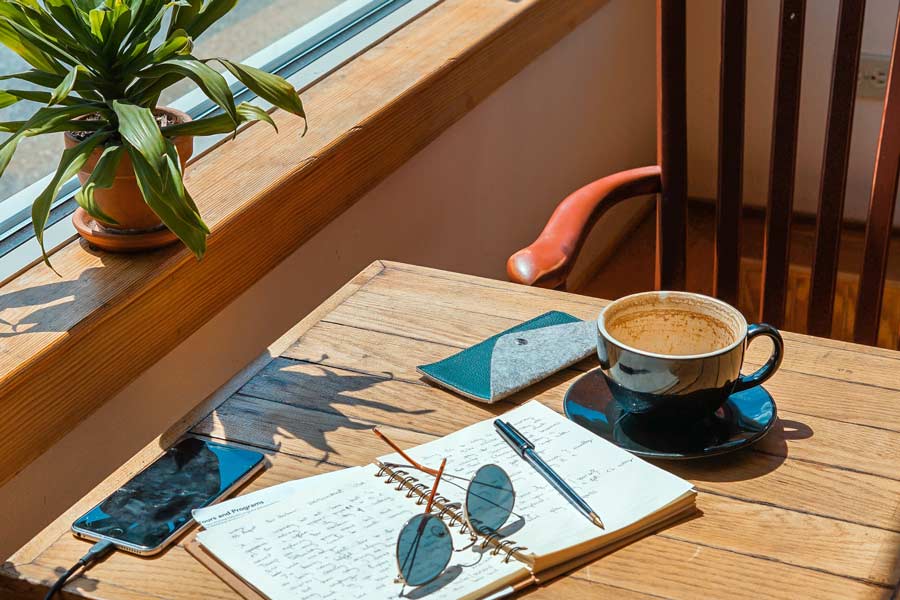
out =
column 301, row 41
column 251, row 26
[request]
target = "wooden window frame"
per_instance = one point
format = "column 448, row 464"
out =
column 85, row 335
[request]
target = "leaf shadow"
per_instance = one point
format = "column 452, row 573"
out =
column 309, row 402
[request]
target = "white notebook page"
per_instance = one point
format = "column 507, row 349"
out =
column 337, row 540
column 242, row 507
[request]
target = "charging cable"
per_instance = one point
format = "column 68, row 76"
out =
column 97, row 552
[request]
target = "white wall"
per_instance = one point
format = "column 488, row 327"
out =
column 480, row 191
column 704, row 24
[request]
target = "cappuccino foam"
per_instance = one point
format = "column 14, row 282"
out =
column 674, row 324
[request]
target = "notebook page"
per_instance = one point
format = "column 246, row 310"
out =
column 338, row 541
column 620, row 487
column 245, row 505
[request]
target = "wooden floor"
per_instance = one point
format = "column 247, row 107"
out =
column 630, row 270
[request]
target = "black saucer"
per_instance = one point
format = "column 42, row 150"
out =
column 744, row 419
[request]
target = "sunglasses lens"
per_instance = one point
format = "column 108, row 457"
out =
column 489, row 499
column 423, row 549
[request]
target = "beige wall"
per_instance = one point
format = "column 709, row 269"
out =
column 480, row 191
column 704, row 18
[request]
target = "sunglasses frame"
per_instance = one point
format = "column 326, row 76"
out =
column 473, row 533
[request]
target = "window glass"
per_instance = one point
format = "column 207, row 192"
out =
column 248, row 28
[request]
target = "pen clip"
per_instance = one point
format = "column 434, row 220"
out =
column 525, row 441
column 513, row 437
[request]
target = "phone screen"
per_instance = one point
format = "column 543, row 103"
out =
column 158, row 501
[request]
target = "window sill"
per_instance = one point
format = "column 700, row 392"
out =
column 76, row 340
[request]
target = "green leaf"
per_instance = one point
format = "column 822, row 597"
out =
column 62, row 126
column 211, row 12
column 7, row 150
column 184, row 15
column 267, row 86
column 71, row 162
column 35, row 18
column 176, row 184
column 102, row 176
column 205, row 126
column 145, row 26
column 7, row 99
column 33, row 4
column 249, row 112
column 43, row 45
column 178, row 42
column 67, row 15
column 219, row 124
column 36, row 77
column 121, row 20
column 138, row 127
column 36, row 96
column 86, row 6
column 143, row 13
column 82, row 85
column 206, row 78
column 100, row 25
column 161, row 188
column 27, row 51
column 45, row 120
column 142, row 137
column 15, row 11
column 65, row 86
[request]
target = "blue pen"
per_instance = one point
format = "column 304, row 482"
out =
column 525, row 449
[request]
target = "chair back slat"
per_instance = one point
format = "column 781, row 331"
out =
column 671, row 115
column 881, row 210
column 834, row 167
column 726, row 269
column 785, row 121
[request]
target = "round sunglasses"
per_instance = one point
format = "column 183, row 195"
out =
column 425, row 546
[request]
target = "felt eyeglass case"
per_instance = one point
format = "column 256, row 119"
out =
column 516, row 358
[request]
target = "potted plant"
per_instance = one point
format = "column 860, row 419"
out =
column 102, row 65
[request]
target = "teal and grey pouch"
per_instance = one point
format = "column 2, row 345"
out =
column 516, row 358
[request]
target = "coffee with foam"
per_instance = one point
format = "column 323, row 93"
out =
column 674, row 324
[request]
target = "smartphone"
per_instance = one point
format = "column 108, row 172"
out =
column 152, row 509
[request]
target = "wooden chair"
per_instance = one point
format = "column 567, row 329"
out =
column 548, row 261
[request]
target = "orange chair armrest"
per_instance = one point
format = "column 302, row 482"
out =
column 549, row 260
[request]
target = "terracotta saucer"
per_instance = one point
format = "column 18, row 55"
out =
column 110, row 240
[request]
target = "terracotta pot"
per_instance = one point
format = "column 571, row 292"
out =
column 123, row 201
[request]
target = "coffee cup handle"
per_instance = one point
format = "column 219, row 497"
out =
column 767, row 370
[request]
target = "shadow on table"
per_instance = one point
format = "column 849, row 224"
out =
column 61, row 303
column 763, row 458
column 15, row 584
column 51, row 305
column 322, row 395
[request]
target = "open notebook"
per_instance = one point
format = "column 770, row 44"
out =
column 334, row 535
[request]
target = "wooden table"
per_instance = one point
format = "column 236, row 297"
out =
column 813, row 511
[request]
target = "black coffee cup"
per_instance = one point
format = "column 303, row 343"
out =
column 677, row 354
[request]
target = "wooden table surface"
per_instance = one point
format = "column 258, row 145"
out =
column 812, row 511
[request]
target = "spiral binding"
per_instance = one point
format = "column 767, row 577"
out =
column 449, row 512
